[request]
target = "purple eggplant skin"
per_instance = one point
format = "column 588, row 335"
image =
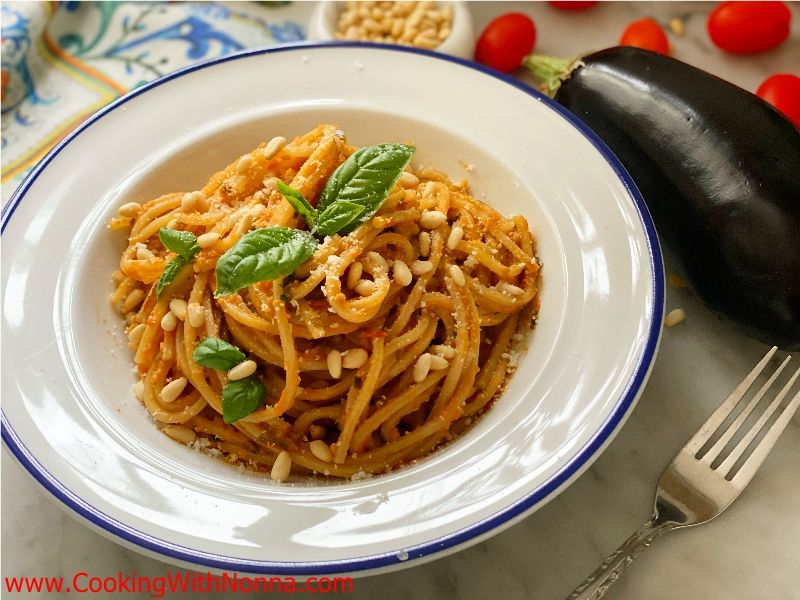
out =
column 719, row 169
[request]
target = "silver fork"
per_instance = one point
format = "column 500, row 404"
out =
column 690, row 491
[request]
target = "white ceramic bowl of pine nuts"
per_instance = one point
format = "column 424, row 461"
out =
column 441, row 26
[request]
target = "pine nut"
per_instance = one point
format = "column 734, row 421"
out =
column 274, row 146
column 144, row 253
column 245, row 164
column 438, row 363
column 402, row 274
column 178, row 308
column 171, row 391
column 377, row 260
column 372, row 25
column 427, row 27
column 424, row 243
column 408, row 180
column 421, row 367
column 169, row 322
column 397, row 31
column 425, row 41
column 138, row 390
column 196, row 315
column 135, row 334
column 181, row 434
column 431, row 219
column 509, row 289
column 355, row 358
column 321, row 450
column 420, row 267
column 282, row 467
column 133, row 300
column 194, row 201
column 674, row 317
column 317, row 432
column 456, row 233
column 270, row 183
column 457, row 275
column 354, row 274
column 208, row 239
column 409, row 33
column 677, row 27
column 244, row 224
column 443, row 350
column 242, row 370
column 129, row 209
column 365, row 287
column 428, row 189
column 334, row 361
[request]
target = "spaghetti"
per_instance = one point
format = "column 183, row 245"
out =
column 384, row 345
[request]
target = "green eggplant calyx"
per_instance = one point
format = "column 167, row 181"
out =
column 551, row 71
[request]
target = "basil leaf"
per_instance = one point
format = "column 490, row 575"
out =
column 169, row 273
column 240, row 398
column 298, row 202
column 337, row 216
column 366, row 178
column 217, row 354
column 261, row 255
column 182, row 243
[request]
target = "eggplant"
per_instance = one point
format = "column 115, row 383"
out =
column 718, row 168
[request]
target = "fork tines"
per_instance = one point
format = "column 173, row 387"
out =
column 759, row 453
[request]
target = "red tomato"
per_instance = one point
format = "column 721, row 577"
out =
column 506, row 41
column 572, row 4
column 647, row 34
column 748, row 27
column 783, row 92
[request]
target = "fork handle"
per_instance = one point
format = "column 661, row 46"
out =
column 597, row 584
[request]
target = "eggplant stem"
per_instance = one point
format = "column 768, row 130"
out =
column 551, row 71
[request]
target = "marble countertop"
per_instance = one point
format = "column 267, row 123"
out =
column 752, row 552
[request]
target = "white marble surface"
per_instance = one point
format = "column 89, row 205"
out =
column 752, row 552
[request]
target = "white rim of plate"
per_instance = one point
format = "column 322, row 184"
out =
column 449, row 543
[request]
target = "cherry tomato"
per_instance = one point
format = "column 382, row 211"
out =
column 749, row 27
column 783, row 92
column 647, row 34
column 506, row 41
column 573, row 5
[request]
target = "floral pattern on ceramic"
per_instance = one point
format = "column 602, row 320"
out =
column 61, row 62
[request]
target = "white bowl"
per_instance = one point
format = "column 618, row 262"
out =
column 460, row 42
column 69, row 416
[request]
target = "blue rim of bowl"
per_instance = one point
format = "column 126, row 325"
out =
column 386, row 560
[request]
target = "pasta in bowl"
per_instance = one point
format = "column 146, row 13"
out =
column 318, row 308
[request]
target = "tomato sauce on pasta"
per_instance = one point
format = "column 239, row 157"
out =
column 385, row 344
